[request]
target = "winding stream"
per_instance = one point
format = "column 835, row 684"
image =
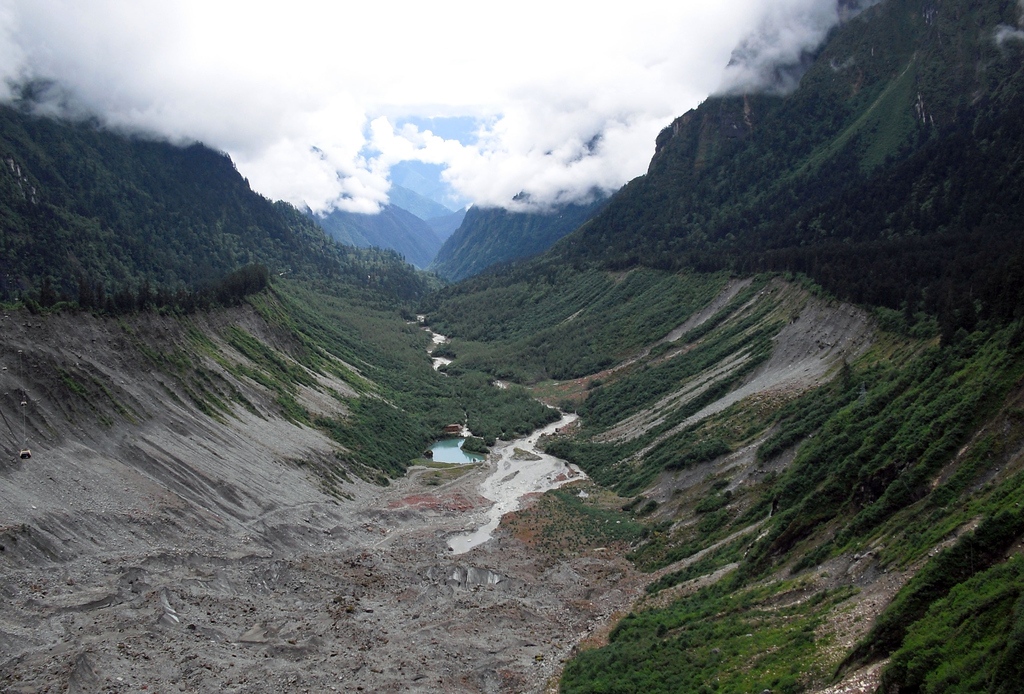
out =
column 520, row 468
column 516, row 475
column 436, row 339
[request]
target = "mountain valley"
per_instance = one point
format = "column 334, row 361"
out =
column 782, row 376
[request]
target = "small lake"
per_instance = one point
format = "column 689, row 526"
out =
column 450, row 451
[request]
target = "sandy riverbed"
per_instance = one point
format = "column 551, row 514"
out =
column 513, row 477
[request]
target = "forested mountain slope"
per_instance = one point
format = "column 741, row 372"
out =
column 261, row 443
column 795, row 347
column 891, row 175
column 445, row 226
column 492, row 235
column 392, row 228
column 253, row 422
column 99, row 215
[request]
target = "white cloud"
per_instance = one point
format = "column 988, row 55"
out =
column 1006, row 33
column 773, row 57
column 303, row 95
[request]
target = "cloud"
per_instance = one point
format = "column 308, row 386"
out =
column 1006, row 33
column 774, row 57
column 305, row 96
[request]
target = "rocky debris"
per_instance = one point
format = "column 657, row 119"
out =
column 730, row 290
column 520, row 454
column 817, row 336
column 163, row 549
column 378, row 611
column 863, row 681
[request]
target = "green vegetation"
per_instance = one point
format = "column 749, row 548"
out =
column 871, row 445
column 749, row 336
column 733, row 342
column 392, row 227
column 724, row 639
column 400, row 404
column 475, row 444
column 705, row 565
column 489, row 236
column 889, row 176
column 545, row 321
column 118, row 224
column 562, row 523
column 970, row 641
column 874, row 458
column 973, row 553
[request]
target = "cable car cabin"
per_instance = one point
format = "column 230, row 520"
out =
column 26, row 454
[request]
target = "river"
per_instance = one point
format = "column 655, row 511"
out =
column 520, row 468
column 435, row 340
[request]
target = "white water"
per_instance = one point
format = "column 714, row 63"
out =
column 437, row 339
column 511, row 479
column 514, row 479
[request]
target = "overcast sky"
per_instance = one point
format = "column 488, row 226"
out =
column 309, row 97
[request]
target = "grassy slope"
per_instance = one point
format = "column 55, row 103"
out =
column 908, row 460
column 910, row 445
column 907, row 446
column 404, row 403
column 550, row 321
column 300, row 343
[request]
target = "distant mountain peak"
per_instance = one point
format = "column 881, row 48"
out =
column 495, row 235
column 392, row 227
column 419, row 205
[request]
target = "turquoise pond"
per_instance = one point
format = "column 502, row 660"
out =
column 450, row 451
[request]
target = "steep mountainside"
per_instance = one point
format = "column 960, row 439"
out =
column 831, row 494
column 80, row 204
column 493, row 235
column 445, row 226
column 392, row 228
column 891, row 175
column 795, row 347
column 219, row 499
column 95, row 217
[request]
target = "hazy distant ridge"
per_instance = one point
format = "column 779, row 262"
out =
column 392, row 228
column 494, row 235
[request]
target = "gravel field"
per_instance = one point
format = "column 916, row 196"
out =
column 158, row 549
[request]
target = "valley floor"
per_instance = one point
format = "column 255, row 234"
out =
column 147, row 545
column 167, row 550
column 151, row 545
column 361, row 595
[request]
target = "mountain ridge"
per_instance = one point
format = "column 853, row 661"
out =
column 489, row 236
column 392, row 228
column 81, row 206
column 890, row 178
column 419, row 205
column 761, row 182
column 785, row 491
